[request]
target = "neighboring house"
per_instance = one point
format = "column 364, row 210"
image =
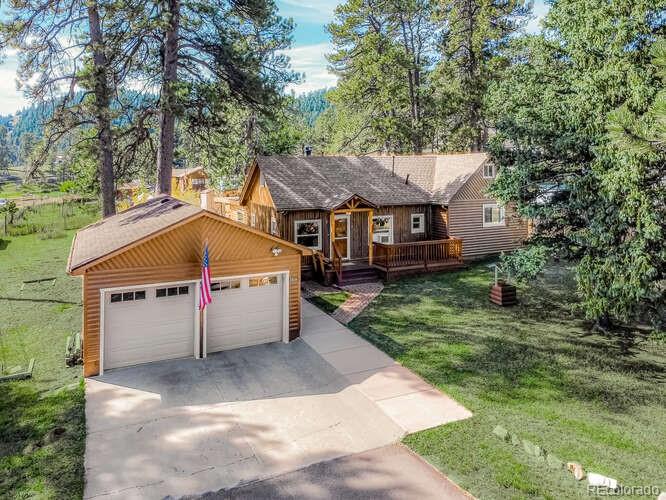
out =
column 141, row 273
column 402, row 212
column 185, row 179
column 226, row 203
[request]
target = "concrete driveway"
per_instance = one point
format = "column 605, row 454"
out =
column 191, row 426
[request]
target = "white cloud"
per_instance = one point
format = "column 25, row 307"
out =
column 539, row 11
column 11, row 99
column 311, row 60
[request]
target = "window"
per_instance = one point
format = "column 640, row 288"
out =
column 489, row 171
column 172, row 291
column 128, row 296
column 262, row 179
column 263, row 281
column 493, row 215
column 382, row 229
column 418, row 223
column 308, row 233
column 199, row 182
column 218, row 286
column 254, row 220
column 274, row 228
column 239, row 215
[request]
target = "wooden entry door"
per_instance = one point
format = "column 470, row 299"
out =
column 342, row 235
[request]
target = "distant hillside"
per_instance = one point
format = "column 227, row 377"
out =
column 312, row 104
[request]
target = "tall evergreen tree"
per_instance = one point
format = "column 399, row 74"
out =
column 594, row 202
column 382, row 54
column 474, row 32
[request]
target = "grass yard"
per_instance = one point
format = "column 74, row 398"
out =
column 534, row 369
column 42, row 420
column 11, row 190
column 329, row 302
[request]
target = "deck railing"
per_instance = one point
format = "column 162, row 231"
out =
column 418, row 255
column 336, row 259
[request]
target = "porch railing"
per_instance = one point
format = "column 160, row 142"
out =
column 336, row 259
column 418, row 255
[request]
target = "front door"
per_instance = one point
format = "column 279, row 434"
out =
column 341, row 235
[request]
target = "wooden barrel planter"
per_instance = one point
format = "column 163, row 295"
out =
column 503, row 294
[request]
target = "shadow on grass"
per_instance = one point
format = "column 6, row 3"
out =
column 444, row 327
column 42, row 441
column 4, row 244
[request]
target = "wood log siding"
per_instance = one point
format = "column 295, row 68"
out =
column 175, row 256
column 439, row 225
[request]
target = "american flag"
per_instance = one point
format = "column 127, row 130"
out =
column 205, row 298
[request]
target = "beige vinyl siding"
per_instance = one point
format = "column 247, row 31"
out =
column 466, row 222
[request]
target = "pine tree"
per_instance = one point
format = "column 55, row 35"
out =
column 561, row 154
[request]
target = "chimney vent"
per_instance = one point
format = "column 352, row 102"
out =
column 307, row 150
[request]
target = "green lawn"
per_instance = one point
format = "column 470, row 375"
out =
column 42, row 420
column 13, row 190
column 329, row 302
column 534, row 369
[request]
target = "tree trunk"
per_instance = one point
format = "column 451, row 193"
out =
column 102, row 106
column 165, row 153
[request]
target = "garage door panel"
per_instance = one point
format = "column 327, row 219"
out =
column 152, row 329
column 245, row 316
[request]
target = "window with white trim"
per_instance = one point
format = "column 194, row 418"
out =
column 274, row 228
column 382, row 229
column 493, row 215
column 418, row 223
column 489, row 171
column 308, row 233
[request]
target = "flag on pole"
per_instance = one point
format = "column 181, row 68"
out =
column 205, row 298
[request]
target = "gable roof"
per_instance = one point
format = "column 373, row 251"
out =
column 113, row 234
column 325, row 182
column 180, row 172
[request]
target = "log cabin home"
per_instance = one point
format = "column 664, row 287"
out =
column 389, row 214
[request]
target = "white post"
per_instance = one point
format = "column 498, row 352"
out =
column 197, row 323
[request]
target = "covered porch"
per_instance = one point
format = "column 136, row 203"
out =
column 362, row 236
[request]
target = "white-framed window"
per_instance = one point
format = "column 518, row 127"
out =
column 418, row 223
column 274, row 228
column 172, row 291
column 263, row 281
column 308, row 233
column 253, row 220
column 218, row 286
column 198, row 181
column 382, row 229
column 489, row 171
column 493, row 215
column 239, row 216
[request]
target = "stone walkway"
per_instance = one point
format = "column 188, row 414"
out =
column 361, row 295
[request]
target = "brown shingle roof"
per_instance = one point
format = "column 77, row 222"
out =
column 323, row 182
column 113, row 233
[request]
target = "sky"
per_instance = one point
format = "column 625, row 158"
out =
column 310, row 44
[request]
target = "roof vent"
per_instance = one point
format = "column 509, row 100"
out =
column 164, row 200
column 177, row 205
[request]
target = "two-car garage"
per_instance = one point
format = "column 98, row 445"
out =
column 152, row 323
column 141, row 276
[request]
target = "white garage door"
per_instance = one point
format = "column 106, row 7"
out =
column 244, row 312
column 148, row 324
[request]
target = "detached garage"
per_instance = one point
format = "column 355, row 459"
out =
column 141, row 276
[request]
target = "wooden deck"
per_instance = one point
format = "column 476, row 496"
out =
column 417, row 257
